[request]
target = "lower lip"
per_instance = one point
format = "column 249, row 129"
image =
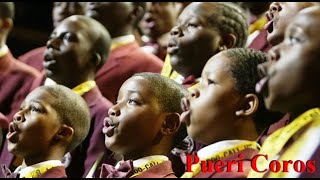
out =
column 261, row 85
column 12, row 137
column 185, row 117
column 109, row 131
column 172, row 50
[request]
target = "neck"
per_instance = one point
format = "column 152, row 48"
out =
column 247, row 130
column 122, row 32
column 3, row 41
column 163, row 148
column 72, row 82
column 38, row 158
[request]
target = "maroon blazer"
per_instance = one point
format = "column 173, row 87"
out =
column 34, row 58
column 4, row 122
column 248, row 154
column 122, row 63
column 55, row 172
column 15, row 78
column 260, row 42
column 273, row 127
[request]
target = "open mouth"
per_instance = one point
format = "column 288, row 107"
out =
column 109, row 127
column 269, row 26
column 172, row 47
column 185, row 115
column 12, row 135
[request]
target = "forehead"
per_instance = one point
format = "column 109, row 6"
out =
column 41, row 96
column 198, row 9
column 73, row 26
column 137, row 84
column 218, row 64
column 308, row 22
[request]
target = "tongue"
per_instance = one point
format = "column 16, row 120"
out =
column 261, row 84
column 184, row 116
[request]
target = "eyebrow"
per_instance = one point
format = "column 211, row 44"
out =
column 135, row 91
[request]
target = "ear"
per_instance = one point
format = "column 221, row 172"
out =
column 171, row 124
column 229, row 41
column 96, row 61
column 65, row 132
column 136, row 14
column 6, row 24
column 250, row 106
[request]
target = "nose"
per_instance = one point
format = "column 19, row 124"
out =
column 176, row 31
column 18, row 117
column 275, row 7
column 194, row 93
column 273, row 53
column 52, row 43
column 114, row 111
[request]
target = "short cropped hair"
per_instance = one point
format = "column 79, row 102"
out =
column 102, row 38
column 169, row 94
column 243, row 66
column 7, row 10
column 231, row 19
column 72, row 111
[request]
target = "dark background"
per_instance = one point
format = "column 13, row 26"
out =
column 32, row 26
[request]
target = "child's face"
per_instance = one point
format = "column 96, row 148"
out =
column 136, row 119
column 210, row 109
column 290, row 83
column 62, row 10
column 159, row 18
column 193, row 41
column 33, row 128
column 280, row 14
column 69, row 51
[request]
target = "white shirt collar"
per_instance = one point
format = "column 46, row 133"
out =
column 4, row 50
column 28, row 169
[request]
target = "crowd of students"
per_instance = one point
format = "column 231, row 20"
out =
column 164, row 89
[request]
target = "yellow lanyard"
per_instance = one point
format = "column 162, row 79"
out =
column 196, row 168
column 258, row 24
column 297, row 148
column 276, row 141
column 84, row 87
column 38, row 171
column 138, row 170
column 124, row 41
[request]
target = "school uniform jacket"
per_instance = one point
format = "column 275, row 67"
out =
column 3, row 122
column 122, row 63
column 248, row 154
column 15, row 80
column 260, row 42
column 34, row 58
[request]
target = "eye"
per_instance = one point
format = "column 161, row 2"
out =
column 192, row 25
column 210, row 81
column 294, row 40
column 133, row 102
column 35, row 109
